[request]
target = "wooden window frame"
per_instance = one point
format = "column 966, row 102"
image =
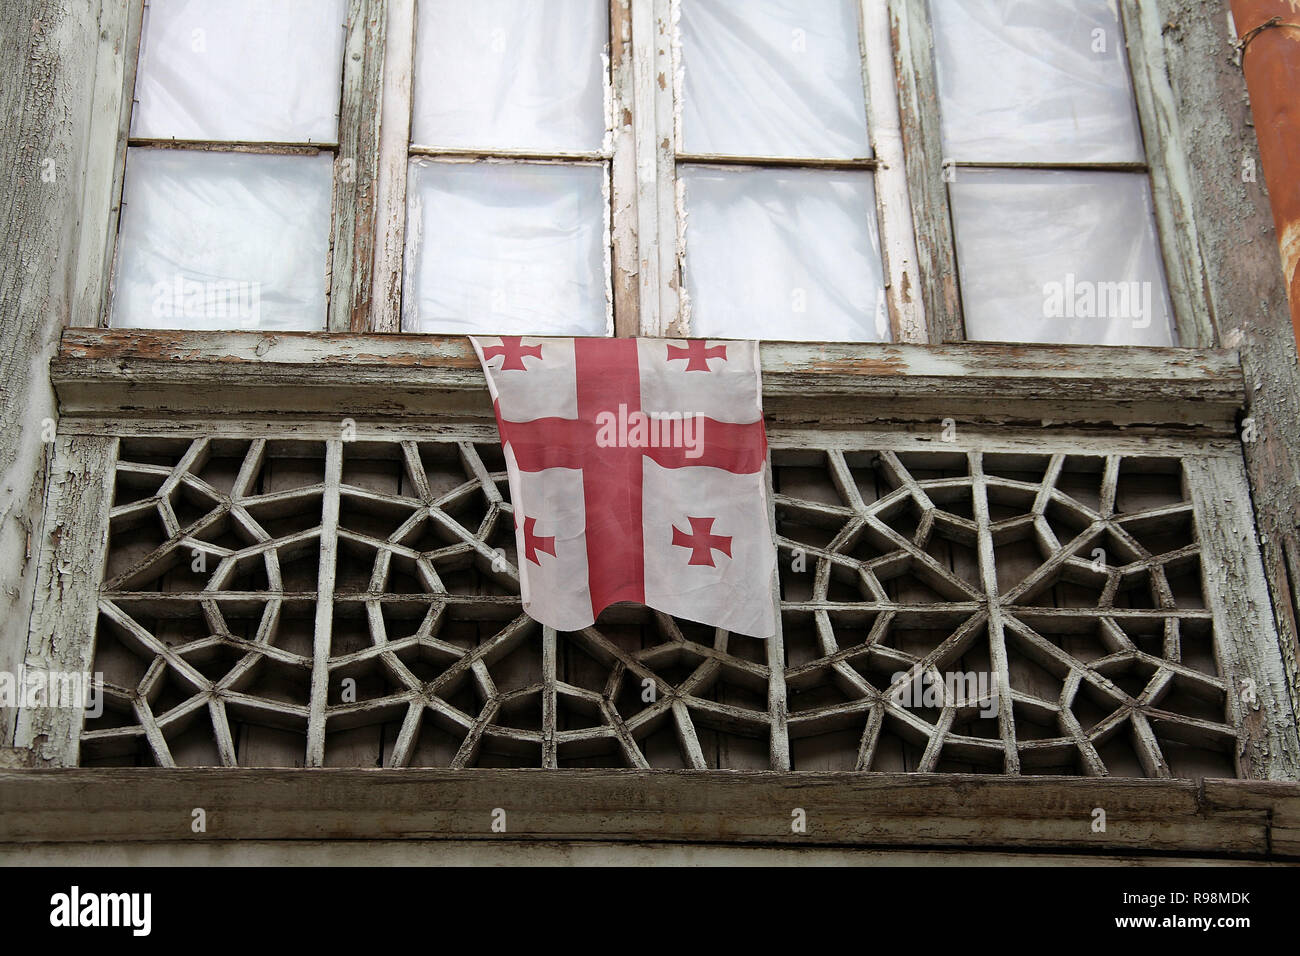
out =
column 646, row 248
column 661, row 204
column 1165, row 165
column 355, row 152
column 396, row 152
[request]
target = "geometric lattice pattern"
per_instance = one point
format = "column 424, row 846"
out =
column 227, row 559
column 342, row 603
column 1070, row 584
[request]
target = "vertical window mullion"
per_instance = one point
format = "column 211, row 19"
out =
column 356, row 167
column 655, row 149
column 394, row 151
column 925, row 167
column 897, row 236
column 122, row 26
column 1167, row 168
column 623, row 209
column 669, row 108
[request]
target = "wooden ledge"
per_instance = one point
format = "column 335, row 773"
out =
column 145, row 374
column 1213, row 819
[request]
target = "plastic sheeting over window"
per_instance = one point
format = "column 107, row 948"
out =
column 1068, row 257
column 779, row 78
column 1039, row 81
column 784, row 254
column 214, row 240
column 500, row 74
column 241, row 70
column 514, row 248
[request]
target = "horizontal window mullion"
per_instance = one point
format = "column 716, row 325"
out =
column 712, row 159
column 230, row 146
column 523, row 155
column 1125, row 167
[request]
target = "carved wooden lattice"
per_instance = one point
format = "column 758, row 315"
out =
column 1073, row 582
column 1069, row 585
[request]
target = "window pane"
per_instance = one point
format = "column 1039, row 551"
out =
column 242, row 70
column 223, row 241
column 784, row 254
column 773, row 78
column 1034, row 81
column 501, row 74
column 512, row 248
column 1069, row 257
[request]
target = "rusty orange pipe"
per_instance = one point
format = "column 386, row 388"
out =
column 1271, row 60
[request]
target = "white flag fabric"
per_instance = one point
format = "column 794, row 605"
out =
column 636, row 473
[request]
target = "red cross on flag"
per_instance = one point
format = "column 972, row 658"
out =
column 636, row 474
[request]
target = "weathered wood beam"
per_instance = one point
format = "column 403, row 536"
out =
column 105, row 158
column 1245, row 287
column 393, row 156
column 63, row 623
column 623, row 185
column 356, row 167
column 1217, row 818
column 54, row 113
column 1237, row 588
column 918, row 96
column 412, row 377
column 1281, row 800
column 1167, row 166
column 903, row 272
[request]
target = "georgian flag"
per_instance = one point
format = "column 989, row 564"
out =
column 636, row 473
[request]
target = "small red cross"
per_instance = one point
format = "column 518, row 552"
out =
column 701, row 542
column 513, row 352
column 535, row 542
column 696, row 354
